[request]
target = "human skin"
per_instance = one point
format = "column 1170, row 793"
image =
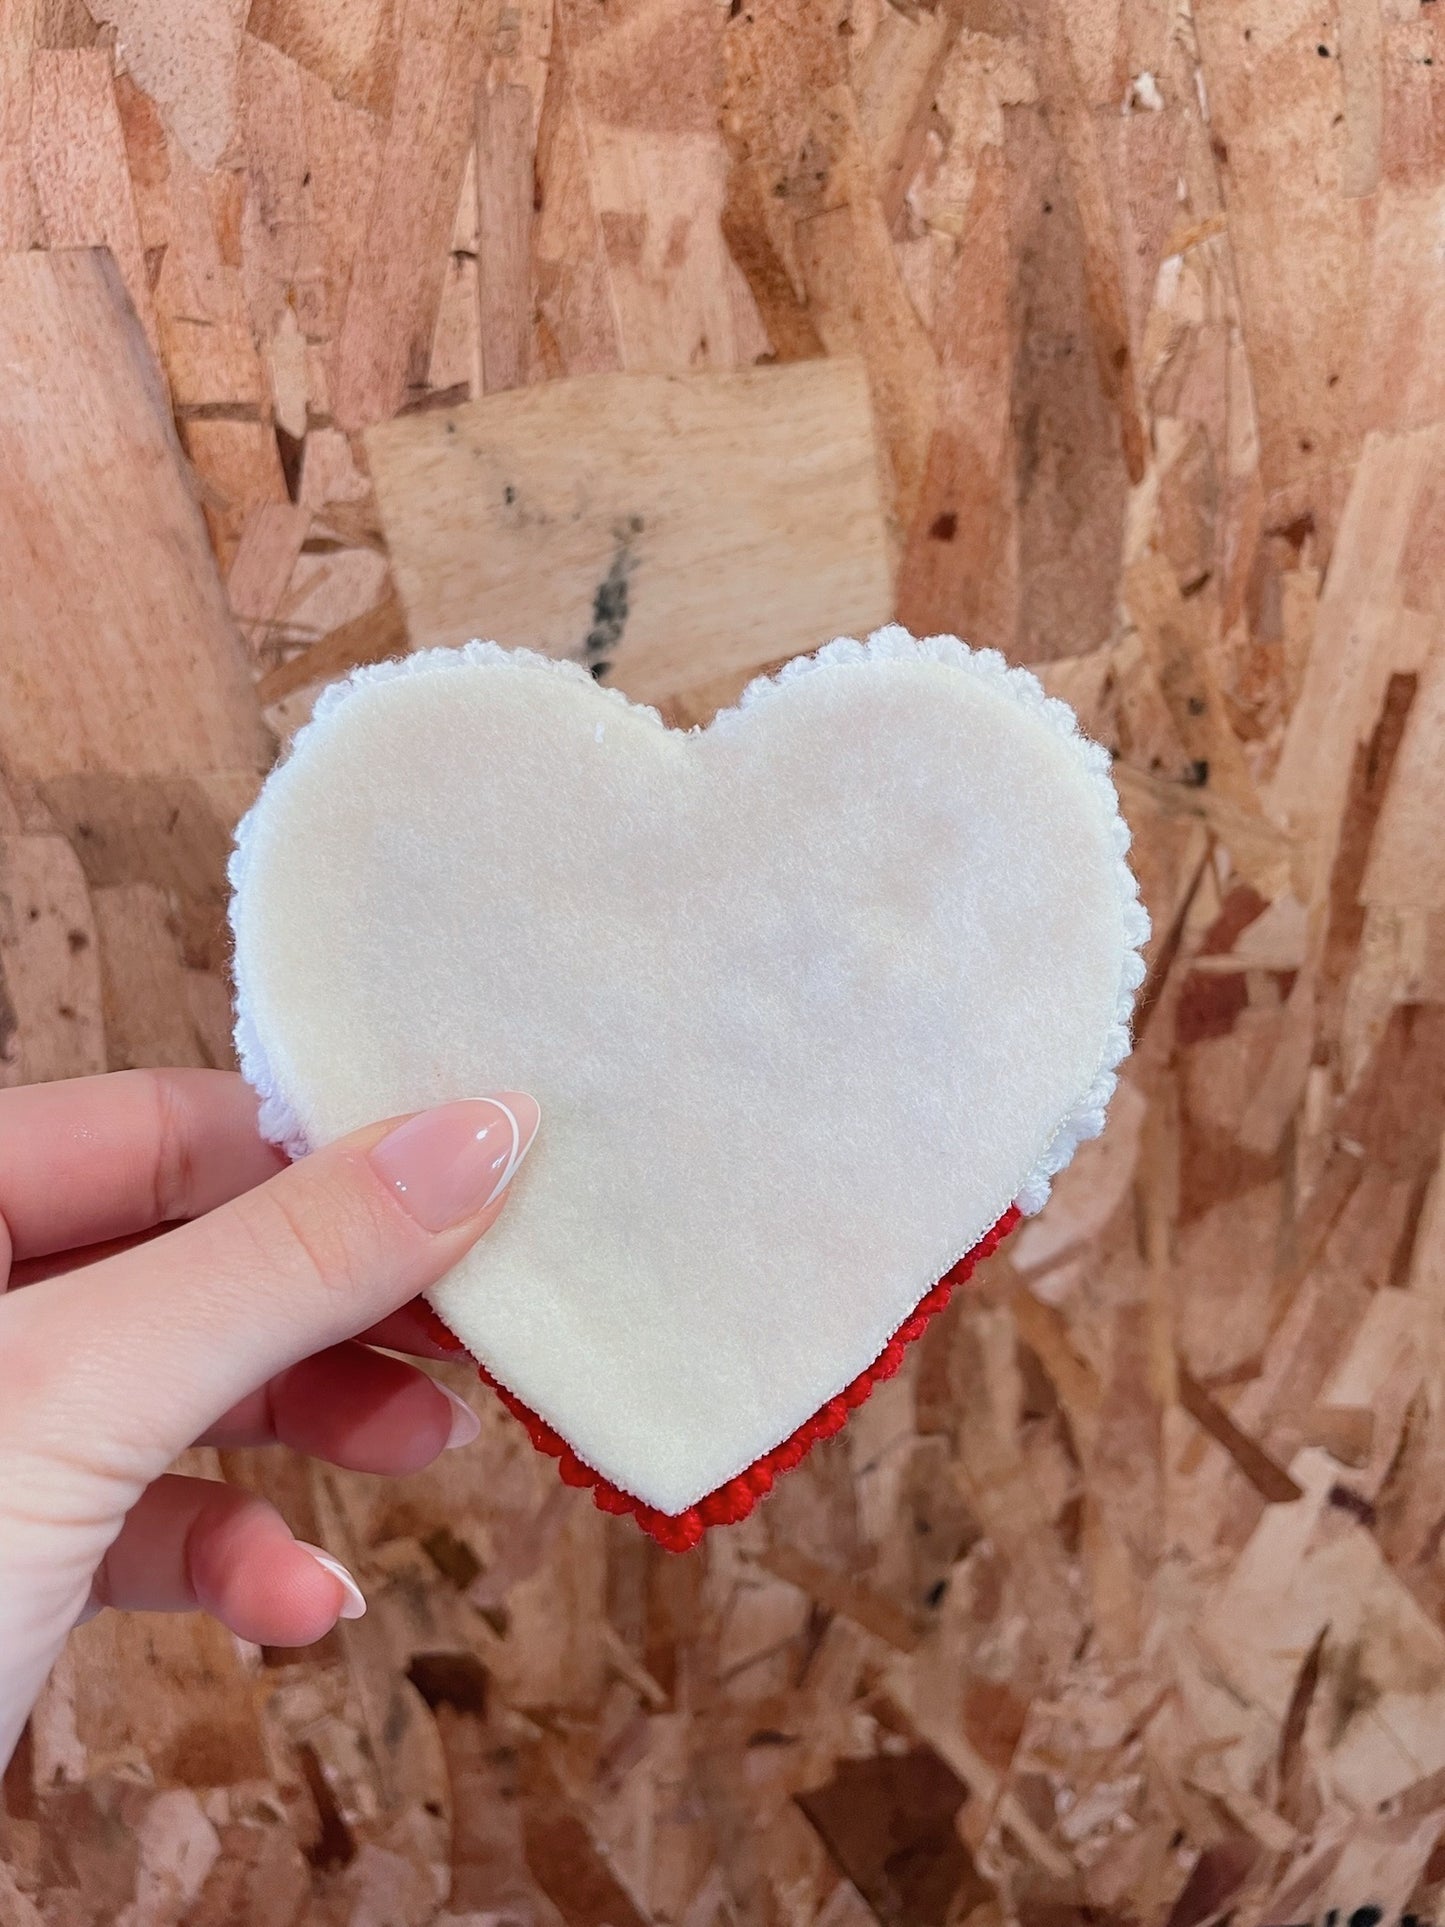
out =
column 168, row 1280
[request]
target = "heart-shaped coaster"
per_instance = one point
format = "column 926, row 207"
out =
column 814, row 1001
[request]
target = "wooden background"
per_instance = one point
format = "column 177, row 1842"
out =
column 1110, row 333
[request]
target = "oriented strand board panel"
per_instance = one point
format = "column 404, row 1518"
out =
column 129, row 720
column 658, row 528
column 117, row 650
column 1123, row 1603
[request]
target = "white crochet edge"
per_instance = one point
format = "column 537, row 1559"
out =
column 278, row 1120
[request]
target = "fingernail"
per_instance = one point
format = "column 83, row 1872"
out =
column 444, row 1166
column 353, row 1604
column 465, row 1423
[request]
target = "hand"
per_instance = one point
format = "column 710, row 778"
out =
column 236, row 1328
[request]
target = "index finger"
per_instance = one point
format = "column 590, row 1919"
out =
column 97, row 1158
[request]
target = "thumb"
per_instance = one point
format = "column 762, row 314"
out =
column 143, row 1351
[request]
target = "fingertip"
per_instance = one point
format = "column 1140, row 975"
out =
column 294, row 1600
column 448, row 1168
column 352, row 1603
column 367, row 1412
column 270, row 1588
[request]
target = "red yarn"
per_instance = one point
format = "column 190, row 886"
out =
column 679, row 1532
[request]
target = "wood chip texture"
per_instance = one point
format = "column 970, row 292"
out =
column 1111, row 335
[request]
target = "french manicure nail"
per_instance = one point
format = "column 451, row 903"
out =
column 465, row 1423
column 444, row 1166
column 353, row 1603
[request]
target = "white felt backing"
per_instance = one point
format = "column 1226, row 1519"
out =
column 807, row 1000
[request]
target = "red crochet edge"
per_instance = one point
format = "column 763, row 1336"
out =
column 725, row 1506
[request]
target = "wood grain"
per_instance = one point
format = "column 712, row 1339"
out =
column 642, row 525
